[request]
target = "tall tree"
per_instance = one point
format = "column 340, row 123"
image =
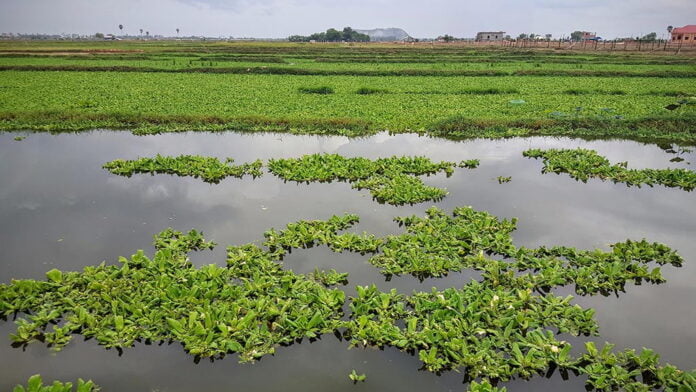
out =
column 333, row 35
column 120, row 27
column 650, row 37
column 576, row 36
column 141, row 31
column 177, row 31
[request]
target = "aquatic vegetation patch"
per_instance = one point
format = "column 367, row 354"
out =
column 582, row 164
column 396, row 72
column 390, row 180
column 503, row 180
column 355, row 377
column 437, row 244
column 35, row 384
column 672, row 129
column 151, row 124
column 497, row 331
column 502, row 327
column 206, row 168
column 249, row 308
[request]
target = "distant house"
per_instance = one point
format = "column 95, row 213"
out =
column 490, row 36
column 587, row 36
column 685, row 35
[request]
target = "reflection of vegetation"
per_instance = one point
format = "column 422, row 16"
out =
column 206, row 168
column 583, row 164
column 35, row 384
column 496, row 329
column 390, row 180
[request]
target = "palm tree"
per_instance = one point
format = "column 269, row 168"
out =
column 141, row 31
column 120, row 27
column 177, row 31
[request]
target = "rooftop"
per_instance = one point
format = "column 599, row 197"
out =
column 685, row 30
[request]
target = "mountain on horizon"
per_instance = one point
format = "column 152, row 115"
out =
column 385, row 34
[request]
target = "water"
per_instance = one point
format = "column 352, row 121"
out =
column 59, row 209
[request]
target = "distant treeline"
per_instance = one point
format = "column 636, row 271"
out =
column 332, row 35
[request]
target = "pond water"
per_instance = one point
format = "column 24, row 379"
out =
column 60, row 209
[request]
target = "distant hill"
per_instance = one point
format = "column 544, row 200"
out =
column 389, row 34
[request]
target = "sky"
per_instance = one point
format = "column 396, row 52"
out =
column 281, row 18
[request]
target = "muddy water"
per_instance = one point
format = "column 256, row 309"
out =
column 59, row 209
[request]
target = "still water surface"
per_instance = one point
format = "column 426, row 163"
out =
column 59, row 209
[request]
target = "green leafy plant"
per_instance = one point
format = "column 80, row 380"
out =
column 35, row 384
column 206, row 168
column 502, row 327
column 583, row 164
column 249, row 308
column 355, row 377
column 503, row 180
column 390, row 180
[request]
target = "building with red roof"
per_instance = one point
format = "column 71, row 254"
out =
column 685, row 35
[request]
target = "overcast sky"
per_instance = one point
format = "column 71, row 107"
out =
column 280, row 18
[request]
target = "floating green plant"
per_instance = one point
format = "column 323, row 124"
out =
column 390, row 180
column 437, row 244
column 503, row 180
column 206, row 168
column 484, row 386
column 582, row 164
column 470, row 163
column 499, row 330
column 19, row 138
column 496, row 329
column 355, row 377
column 35, row 384
column 249, row 308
